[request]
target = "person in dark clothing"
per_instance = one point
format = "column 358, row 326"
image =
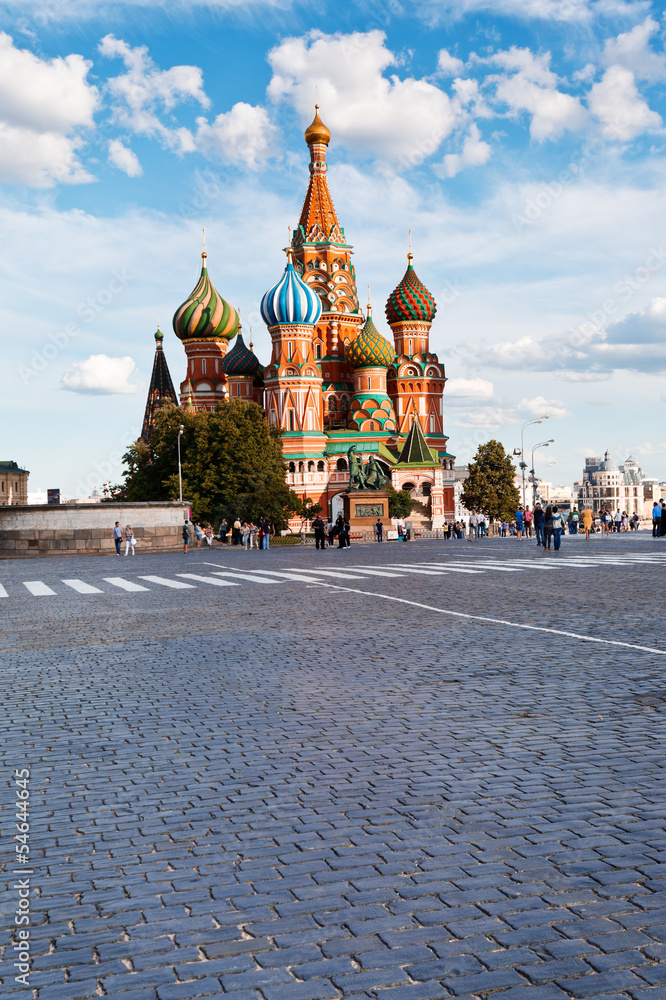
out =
column 662, row 527
column 538, row 524
column 379, row 528
column 548, row 528
column 319, row 533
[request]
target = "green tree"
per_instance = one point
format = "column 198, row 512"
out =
column 490, row 487
column 232, row 465
column 400, row 502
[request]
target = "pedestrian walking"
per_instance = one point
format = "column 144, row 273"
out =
column 329, row 532
column 198, row 533
column 130, row 540
column 117, row 536
column 254, row 535
column 245, row 535
column 401, row 530
column 379, row 528
column 606, row 522
column 662, row 529
column 223, row 532
column 346, row 534
column 519, row 516
column 587, row 518
column 473, row 523
column 527, row 518
column 186, row 536
column 267, row 532
column 548, row 528
column 236, row 530
column 481, row 526
column 319, row 533
column 538, row 518
column 618, row 522
column 557, row 525
column 656, row 520
column 575, row 520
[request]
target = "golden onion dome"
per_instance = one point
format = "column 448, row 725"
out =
column 317, row 131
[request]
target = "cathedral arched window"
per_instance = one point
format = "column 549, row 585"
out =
column 301, row 466
column 311, row 466
column 292, row 467
column 203, row 366
column 290, row 420
column 318, row 351
column 344, row 404
column 426, row 488
column 341, row 464
column 321, row 467
column 332, row 404
column 369, row 382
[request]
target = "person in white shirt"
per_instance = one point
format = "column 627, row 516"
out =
column 130, row 540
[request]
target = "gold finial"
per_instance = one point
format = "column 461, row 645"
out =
column 317, row 131
column 369, row 306
column 251, row 344
column 290, row 254
column 410, row 255
column 203, row 240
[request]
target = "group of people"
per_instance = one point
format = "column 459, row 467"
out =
column 326, row 532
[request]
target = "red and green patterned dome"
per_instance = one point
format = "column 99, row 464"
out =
column 411, row 300
column 370, row 349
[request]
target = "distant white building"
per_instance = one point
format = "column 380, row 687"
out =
column 615, row 487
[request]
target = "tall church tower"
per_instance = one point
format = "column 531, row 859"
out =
column 161, row 388
column 416, row 380
column 323, row 258
column 205, row 323
column 292, row 380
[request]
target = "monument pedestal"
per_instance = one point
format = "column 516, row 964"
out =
column 364, row 507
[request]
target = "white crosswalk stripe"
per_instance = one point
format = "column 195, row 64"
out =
column 38, row 589
column 208, row 579
column 81, row 587
column 164, row 582
column 243, row 576
column 291, row 575
column 129, row 585
column 3, row 592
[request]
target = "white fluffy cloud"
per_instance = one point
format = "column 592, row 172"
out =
column 470, row 388
column 568, row 11
column 589, row 353
column 100, row 375
column 447, row 64
column 633, row 50
column 530, row 85
column 144, row 93
column 43, row 105
column 475, row 153
column 617, row 104
column 244, row 134
column 403, row 120
column 123, row 158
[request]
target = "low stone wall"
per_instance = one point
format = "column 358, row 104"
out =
column 85, row 529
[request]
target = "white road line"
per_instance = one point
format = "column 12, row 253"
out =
column 209, row 579
column 462, row 567
column 373, row 572
column 81, row 587
column 294, row 575
column 243, row 576
column 500, row 621
column 117, row 581
column 163, row 582
column 3, row 592
column 409, row 568
column 39, row 589
column 339, row 574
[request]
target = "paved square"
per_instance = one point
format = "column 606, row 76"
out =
column 404, row 772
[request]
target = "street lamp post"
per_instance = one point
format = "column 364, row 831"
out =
column 523, row 464
column 543, row 444
column 180, row 470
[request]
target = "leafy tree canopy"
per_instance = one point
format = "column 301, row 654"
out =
column 400, row 502
column 490, row 487
column 232, row 465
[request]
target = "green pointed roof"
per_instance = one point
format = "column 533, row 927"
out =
column 415, row 451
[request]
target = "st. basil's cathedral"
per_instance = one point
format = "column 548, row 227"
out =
column 332, row 380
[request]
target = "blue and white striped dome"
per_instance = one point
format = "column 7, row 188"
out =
column 290, row 301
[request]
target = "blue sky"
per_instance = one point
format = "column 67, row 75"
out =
column 521, row 141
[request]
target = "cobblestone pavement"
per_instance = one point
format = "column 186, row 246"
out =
column 312, row 790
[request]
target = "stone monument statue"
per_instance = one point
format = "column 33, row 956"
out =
column 365, row 477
